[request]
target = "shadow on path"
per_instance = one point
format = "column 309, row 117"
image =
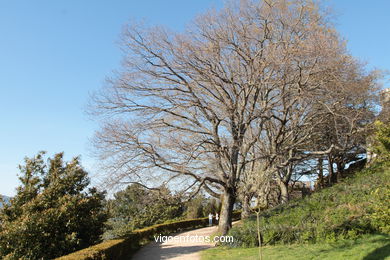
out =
column 379, row 253
column 168, row 252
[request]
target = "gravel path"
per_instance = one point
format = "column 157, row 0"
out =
column 177, row 249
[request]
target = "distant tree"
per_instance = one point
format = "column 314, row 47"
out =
column 195, row 207
column 137, row 207
column 211, row 206
column 201, row 206
column 53, row 212
column 4, row 200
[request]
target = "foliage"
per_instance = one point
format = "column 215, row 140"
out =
column 369, row 247
column 380, row 217
column 346, row 210
column 137, row 207
column 111, row 249
column 201, row 206
column 124, row 248
column 52, row 213
column 195, row 208
column 381, row 143
column 212, row 206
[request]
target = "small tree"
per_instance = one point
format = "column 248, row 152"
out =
column 53, row 212
column 261, row 182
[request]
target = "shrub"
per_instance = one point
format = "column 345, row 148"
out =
column 381, row 140
column 380, row 217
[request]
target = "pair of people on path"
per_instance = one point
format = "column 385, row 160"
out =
column 211, row 218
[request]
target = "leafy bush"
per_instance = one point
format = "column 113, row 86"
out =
column 380, row 217
column 346, row 210
column 381, row 140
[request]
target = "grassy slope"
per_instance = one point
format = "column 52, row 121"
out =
column 368, row 247
column 344, row 211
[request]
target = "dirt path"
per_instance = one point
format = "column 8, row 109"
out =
column 184, row 249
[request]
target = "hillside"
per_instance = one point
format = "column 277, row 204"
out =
column 358, row 205
column 350, row 217
column 6, row 199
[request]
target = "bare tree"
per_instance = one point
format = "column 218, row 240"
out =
column 349, row 108
column 190, row 108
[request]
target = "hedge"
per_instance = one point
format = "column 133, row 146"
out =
column 125, row 247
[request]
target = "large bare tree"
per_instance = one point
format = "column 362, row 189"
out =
column 190, row 108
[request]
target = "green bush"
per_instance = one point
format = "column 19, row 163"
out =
column 381, row 140
column 358, row 205
column 380, row 217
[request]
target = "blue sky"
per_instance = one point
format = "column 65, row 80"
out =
column 54, row 53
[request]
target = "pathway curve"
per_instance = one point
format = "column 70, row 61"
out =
column 175, row 250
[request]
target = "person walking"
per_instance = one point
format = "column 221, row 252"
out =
column 216, row 218
column 210, row 219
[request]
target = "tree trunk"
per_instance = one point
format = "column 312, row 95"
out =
column 225, row 222
column 259, row 233
column 284, row 196
column 266, row 200
column 332, row 178
column 320, row 181
column 340, row 170
column 246, row 208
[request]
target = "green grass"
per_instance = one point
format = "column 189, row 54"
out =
column 349, row 220
column 368, row 247
column 358, row 205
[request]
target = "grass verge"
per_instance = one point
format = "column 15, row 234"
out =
column 368, row 247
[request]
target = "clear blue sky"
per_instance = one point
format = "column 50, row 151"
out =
column 54, row 53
